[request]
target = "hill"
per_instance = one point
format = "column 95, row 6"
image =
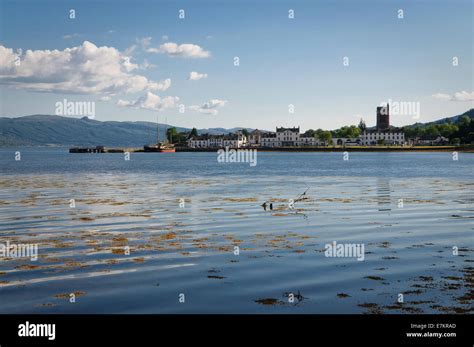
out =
column 50, row 130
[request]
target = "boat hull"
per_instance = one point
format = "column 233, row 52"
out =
column 158, row 150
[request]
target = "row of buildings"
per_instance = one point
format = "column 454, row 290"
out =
column 291, row 137
column 235, row 140
column 283, row 137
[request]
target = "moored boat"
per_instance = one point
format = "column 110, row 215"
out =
column 160, row 147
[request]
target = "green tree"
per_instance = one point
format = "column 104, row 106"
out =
column 447, row 129
column 464, row 121
column 353, row 131
column 431, row 130
column 172, row 134
column 325, row 136
column 409, row 132
column 346, row 131
column 469, row 138
column 455, row 141
column 194, row 132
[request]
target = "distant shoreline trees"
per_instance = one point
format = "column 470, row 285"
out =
column 459, row 132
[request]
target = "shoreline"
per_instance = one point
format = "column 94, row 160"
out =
column 465, row 149
column 344, row 149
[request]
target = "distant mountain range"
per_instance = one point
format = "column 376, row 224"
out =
column 47, row 130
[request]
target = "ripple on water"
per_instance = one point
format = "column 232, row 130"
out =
column 190, row 249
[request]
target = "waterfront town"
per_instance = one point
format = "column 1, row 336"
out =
column 441, row 135
column 381, row 134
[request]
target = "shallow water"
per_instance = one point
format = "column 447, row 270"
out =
column 408, row 209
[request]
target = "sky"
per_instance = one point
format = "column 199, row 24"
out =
column 331, row 64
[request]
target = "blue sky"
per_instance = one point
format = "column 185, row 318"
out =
column 282, row 61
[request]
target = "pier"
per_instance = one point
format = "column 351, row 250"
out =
column 102, row 149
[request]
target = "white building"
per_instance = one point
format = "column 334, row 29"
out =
column 288, row 137
column 283, row 137
column 431, row 140
column 269, row 140
column 235, row 140
column 259, row 138
column 308, row 140
column 198, row 141
column 389, row 137
column 383, row 133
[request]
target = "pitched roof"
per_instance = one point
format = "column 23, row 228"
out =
column 294, row 129
column 391, row 130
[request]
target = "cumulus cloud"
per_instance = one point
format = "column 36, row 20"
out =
column 85, row 69
column 463, row 96
column 185, row 50
column 196, row 76
column 151, row 101
column 210, row 107
column 458, row 96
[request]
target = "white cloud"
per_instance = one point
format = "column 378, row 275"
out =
column 151, row 102
column 129, row 50
column 143, row 43
column 146, row 65
column 463, row 96
column 196, row 76
column 441, row 96
column 185, row 50
column 165, row 37
column 85, row 69
column 71, row 36
column 458, row 96
column 210, row 107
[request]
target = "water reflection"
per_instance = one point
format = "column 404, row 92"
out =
column 383, row 194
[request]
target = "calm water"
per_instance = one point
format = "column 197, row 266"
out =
column 408, row 209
